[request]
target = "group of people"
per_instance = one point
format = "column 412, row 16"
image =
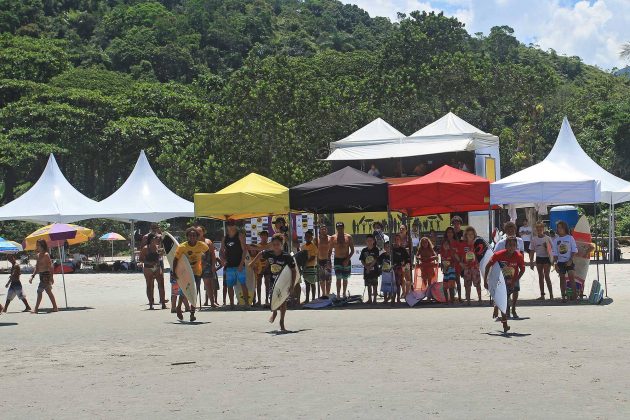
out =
column 457, row 255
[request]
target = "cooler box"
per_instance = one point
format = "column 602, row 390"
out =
column 567, row 213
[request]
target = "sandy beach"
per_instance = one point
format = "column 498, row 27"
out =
column 110, row 357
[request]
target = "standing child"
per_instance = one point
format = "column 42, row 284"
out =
column 15, row 286
column 564, row 249
column 277, row 259
column 194, row 250
column 310, row 268
column 369, row 259
column 400, row 260
column 470, row 264
column 540, row 245
column 44, row 267
column 428, row 261
column 260, row 268
column 525, row 233
column 388, row 283
column 448, row 254
column 513, row 267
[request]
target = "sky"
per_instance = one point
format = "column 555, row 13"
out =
column 594, row 30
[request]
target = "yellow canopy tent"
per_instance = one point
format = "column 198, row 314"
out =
column 251, row 196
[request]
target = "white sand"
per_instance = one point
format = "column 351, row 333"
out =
column 115, row 359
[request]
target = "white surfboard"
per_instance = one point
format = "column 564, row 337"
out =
column 583, row 240
column 170, row 245
column 282, row 288
column 250, row 283
column 496, row 282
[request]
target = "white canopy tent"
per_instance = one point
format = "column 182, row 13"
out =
column 144, row 197
column 51, row 199
column 446, row 135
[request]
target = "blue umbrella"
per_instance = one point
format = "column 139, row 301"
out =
column 9, row 247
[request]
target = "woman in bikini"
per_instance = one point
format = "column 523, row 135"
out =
column 44, row 267
column 427, row 259
column 152, row 269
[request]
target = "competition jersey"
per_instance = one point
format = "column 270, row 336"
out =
column 400, row 256
column 564, row 247
column 370, row 256
column 448, row 258
column 539, row 245
column 311, row 249
column 510, row 265
column 275, row 263
column 525, row 232
column 520, row 245
column 385, row 262
column 468, row 255
column 194, row 253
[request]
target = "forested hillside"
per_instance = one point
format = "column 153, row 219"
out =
column 214, row 89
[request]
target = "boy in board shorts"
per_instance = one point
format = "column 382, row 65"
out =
column 369, row 259
column 449, row 257
column 343, row 246
column 324, row 265
column 15, row 286
column 310, row 269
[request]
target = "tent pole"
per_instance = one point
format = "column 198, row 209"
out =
column 316, row 228
column 611, row 233
column 595, row 205
column 112, row 250
column 63, row 277
column 133, row 241
column 604, row 264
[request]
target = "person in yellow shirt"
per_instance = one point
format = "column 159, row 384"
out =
column 193, row 249
column 310, row 268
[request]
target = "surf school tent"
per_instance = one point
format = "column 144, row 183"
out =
column 446, row 135
column 144, row 197
column 559, row 179
column 51, row 199
column 378, row 132
column 344, row 191
column 444, row 190
column 252, row 196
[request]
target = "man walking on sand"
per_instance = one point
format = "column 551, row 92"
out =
column 343, row 246
column 324, row 264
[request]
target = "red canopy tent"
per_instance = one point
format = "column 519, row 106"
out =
column 445, row 190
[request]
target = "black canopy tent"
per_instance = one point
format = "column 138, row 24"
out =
column 347, row 190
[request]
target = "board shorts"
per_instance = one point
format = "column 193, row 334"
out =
column 370, row 280
column 388, row 285
column 472, row 276
column 174, row 286
column 45, row 282
column 310, row 274
column 563, row 268
column 324, row 273
column 543, row 260
column 515, row 288
column 450, row 276
column 207, row 271
column 233, row 275
column 15, row 290
column 342, row 272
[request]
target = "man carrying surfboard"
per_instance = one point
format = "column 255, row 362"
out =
column 234, row 252
column 277, row 259
column 324, row 264
column 343, row 245
column 540, row 246
column 193, row 250
column 513, row 266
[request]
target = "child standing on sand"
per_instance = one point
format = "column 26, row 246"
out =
column 448, row 254
column 470, row 264
column 15, row 286
column 44, row 267
column 428, row 261
column 369, row 259
column 388, row 283
column 277, row 259
column 564, row 249
column 310, row 268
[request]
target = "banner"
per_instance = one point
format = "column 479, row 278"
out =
column 361, row 223
column 301, row 222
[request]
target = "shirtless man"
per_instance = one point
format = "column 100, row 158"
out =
column 323, row 261
column 343, row 245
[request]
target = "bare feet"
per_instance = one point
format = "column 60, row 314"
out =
column 192, row 317
column 272, row 318
column 180, row 315
column 506, row 327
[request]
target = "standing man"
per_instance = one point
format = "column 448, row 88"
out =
column 233, row 252
column 209, row 275
column 343, row 246
column 323, row 260
column 193, row 249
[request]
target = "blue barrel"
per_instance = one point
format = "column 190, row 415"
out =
column 567, row 213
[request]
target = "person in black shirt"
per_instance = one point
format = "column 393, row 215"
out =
column 276, row 260
column 400, row 258
column 15, row 286
column 369, row 259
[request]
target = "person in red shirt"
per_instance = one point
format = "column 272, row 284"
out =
column 513, row 266
column 450, row 264
column 470, row 263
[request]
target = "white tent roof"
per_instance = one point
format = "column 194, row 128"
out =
column 448, row 134
column 376, row 132
column 558, row 179
column 144, row 197
column 567, row 150
column 51, row 199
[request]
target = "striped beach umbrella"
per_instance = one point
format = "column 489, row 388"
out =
column 58, row 234
column 112, row 236
column 9, row 247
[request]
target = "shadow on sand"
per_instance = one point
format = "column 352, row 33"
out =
column 7, row 324
column 506, row 335
column 46, row 311
column 278, row 332
column 189, row 323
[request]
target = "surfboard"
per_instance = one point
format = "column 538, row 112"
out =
column 496, row 282
column 281, row 288
column 415, row 296
column 583, row 240
column 436, row 291
column 321, row 302
column 250, row 282
column 170, row 245
column 418, row 284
